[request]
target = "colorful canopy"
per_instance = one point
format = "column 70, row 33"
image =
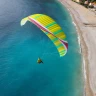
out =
column 51, row 29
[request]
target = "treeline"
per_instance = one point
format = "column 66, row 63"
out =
column 86, row 3
column 85, row 0
column 88, row 0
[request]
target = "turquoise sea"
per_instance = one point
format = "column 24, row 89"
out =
column 20, row 47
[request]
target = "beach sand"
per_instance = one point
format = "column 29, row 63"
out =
column 85, row 21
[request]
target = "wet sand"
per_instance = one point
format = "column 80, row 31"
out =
column 85, row 21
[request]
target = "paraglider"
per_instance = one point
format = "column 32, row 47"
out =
column 51, row 29
column 39, row 61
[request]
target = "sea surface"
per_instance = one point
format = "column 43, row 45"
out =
column 20, row 47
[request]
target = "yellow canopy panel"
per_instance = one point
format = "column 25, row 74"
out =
column 51, row 29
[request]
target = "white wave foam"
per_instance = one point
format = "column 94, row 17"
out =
column 74, row 23
column 84, row 68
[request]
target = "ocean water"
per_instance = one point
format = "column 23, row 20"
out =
column 20, row 47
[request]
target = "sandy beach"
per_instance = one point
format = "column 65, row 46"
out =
column 85, row 21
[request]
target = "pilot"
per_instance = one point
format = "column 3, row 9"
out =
column 39, row 61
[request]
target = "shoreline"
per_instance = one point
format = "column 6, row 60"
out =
column 83, row 45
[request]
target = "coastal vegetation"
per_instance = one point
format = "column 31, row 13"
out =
column 82, row 1
column 87, row 3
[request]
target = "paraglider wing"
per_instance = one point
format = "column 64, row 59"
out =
column 23, row 21
column 59, row 44
column 51, row 29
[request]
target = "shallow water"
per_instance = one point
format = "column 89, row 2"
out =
column 20, row 47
